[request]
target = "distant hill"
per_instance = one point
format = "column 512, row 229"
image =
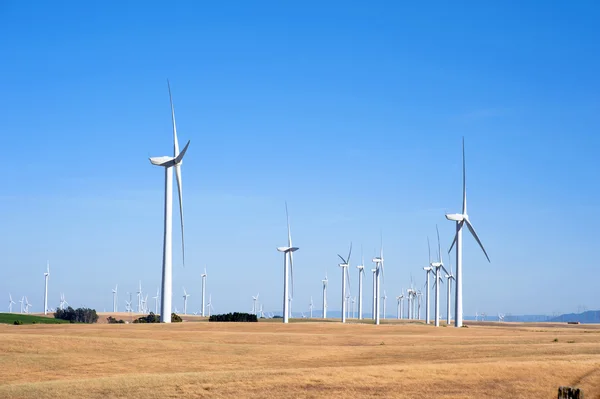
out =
column 590, row 316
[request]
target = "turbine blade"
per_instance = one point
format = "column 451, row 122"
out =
column 292, row 273
column 429, row 250
column 460, row 224
column 180, row 193
column 175, row 141
column 287, row 217
column 349, row 253
column 472, row 230
column 464, row 211
column 439, row 244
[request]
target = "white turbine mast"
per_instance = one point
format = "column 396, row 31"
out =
column 379, row 270
column 287, row 251
column 361, row 272
column 461, row 219
column 115, row 298
column 10, row 303
column 254, row 304
column 168, row 163
column 438, row 267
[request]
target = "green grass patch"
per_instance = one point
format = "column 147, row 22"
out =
column 10, row 318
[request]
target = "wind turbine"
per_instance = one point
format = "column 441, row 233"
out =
column 139, row 296
column 450, row 277
column 310, row 307
column 399, row 298
column 21, row 303
column 10, row 303
column 27, row 305
column 428, row 269
column 46, row 276
column 345, row 277
column 203, row 289
column 254, row 307
column 209, row 304
column 384, row 297
column 156, row 301
column 325, row 297
column 438, row 266
column 185, row 297
column 115, row 298
column 378, row 269
column 361, row 272
column 168, row 163
column 461, row 219
column 287, row 251
column 63, row 302
column 146, row 304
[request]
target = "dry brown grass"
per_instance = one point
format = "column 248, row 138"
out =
column 308, row 360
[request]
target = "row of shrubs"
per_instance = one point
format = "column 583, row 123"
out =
column 151, row 318
column 79, row 315
column 236, row 317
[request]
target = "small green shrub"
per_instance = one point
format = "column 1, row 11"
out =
column 175, row 318
column 555, row 340
column 18, row 323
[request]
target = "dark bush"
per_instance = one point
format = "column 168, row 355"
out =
column 235, row 317
column 79, row 315
column 175, row 318
column 154, row 318
column 18, row 323
column 112, row 320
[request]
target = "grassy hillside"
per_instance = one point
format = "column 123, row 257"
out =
column 10, row 318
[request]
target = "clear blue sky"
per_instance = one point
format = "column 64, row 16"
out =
column 352, row 111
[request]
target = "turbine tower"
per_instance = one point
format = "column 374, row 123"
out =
column 287, row 251
column 361, row 272
column 168, row 163
column 373, row 310
column 311, row 307
column 325, row 297
column 139, row 295
column 384, row 297
column 345, row 277
column 399, row 310
column 115, row 298
column 461, row 219
column 428, row 269
column 203, row 289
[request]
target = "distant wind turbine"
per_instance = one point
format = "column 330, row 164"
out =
column 10, row 303
column 115, row 298
column 185, row 298
column 438, row 267
column 461, row 219
column 345, row 277
column 361, row 272
column 203, row 275
column 46, row 276
column 168, row 163
column 325, row 297
column 156, row 301
column 428, row 270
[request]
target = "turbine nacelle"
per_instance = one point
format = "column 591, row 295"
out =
column 287, row 249
column 457, row 217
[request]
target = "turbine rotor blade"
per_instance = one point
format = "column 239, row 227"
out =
column 464, row 211
column 180, row 194
column 472, row 230
column 175, row 141
column 439, row 244
column 460, row 224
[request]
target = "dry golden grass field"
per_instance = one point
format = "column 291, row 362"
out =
column 298, row 360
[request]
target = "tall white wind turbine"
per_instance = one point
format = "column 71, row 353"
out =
column 203, row 289
column 345, row 277
column 10, row 303
column 361, row 272
column 209, row 304
column 46, row 277
column 168, row 163
column 287, row 251
column 461, row 219
column 21, row 301
column 114, row 292
column 325, row 297
column 428, row 270
column 384, row 297
column 185, row 298
column 438, row 267
column 311, row 307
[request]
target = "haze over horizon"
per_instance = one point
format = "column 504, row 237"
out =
column 353, row 113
